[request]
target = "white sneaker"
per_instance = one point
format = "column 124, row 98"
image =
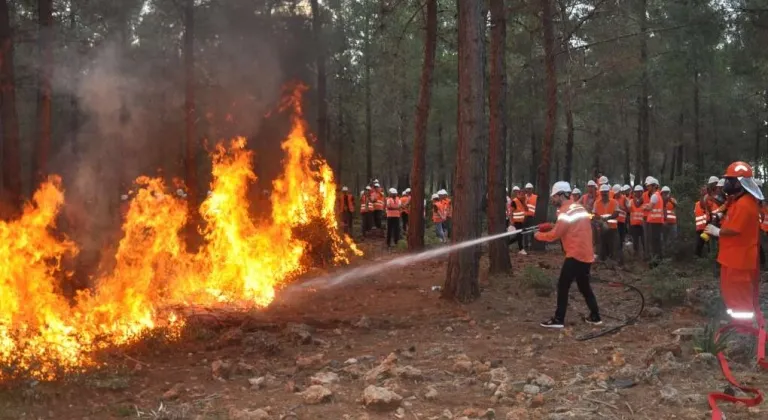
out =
column 522, row 252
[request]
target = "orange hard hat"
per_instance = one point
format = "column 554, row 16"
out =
column 739, row 169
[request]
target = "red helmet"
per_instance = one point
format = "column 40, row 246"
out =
column 739, row 169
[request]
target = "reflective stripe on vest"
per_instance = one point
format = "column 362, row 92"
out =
column 740, row 315
column 656, row 215
column 636, row 214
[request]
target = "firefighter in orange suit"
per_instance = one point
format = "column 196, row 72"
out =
column 405, row 204
column 377, row 195
column 530, row 212
column 394, row 209
column 345, row 205
column 740, row 244
column 366, row 210
column 701, row 216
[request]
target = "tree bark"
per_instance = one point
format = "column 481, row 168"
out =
column 416, row 223
column 568, row 98
column 461, row 281
column 442, row 179
column 340, row 137
column 696, row 119
column 498, row 251
column 549, row 129
column 368, row 129
column 74, row 121
column 624, row 125
column 10, row 120
column 190, row 161
column 322, row 105
column 45, row 74
column 643, row 126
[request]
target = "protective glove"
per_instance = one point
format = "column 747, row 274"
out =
column 545, row 227
column 712, row 230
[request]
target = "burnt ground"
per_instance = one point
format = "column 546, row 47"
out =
column 445, row 360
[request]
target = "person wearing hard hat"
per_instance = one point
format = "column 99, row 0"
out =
column 739, row 240
column 530, row 213
column 517, row 209
column 637, row 220
column 573, row 228
column 448, row 210
column 670, row 217
column 345, row 207
column 655, row 221
column 377, row 195
column 405, row 209
column 605, row 220
column 576, row 195
column 622, row 200
column 438, row 217
column 366, row 210
column 393, row 218
column 588, row 199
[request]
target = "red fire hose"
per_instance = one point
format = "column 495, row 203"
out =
column 761, row 338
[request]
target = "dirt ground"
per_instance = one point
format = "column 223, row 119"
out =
column 489, row 359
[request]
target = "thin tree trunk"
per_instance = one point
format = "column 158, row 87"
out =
column 340, row 137
column 758, row 157
column 441, row 170
column 551, row 100
column 74, row 122
column 696, row 119
column 322, row 105
column 498, row 251
column 532, row 133
column 461, row 281
column 510, row 145
column 368, row 122
column 45, row 74
column 568, row 99
column 416, row 223
column 673, row 169
column 10, row 120
column 190, row 161
column 624, row 126
column 643, row 114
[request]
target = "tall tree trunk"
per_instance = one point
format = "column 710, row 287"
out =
column 643, row 114
column 532, row 133
column 45, row 74
column 74, row 119
column 551, row 100
column 567, row 100
column 461, row 281
column 624, row 125
column 442, row 180
column 322, row 105
column 509, row 145
column 368, row 122
column 10, row 120
column 416, row 223
column 697, row 120
column 190, row 161
column 498, row 251
column 340, row 137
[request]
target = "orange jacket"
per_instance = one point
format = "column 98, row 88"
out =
column 636, row 213
column 701, row 217
column 574, row 229
column 405, row 204
column 671, row 217
column 764, row 219
column 438, row 213
column 656, row 214
column 378, row 199
column 607, row 210
column 393, row 206
column 530, row 204
column 623, row 205
column 345, row 202
column 517, row 210
column 741, row 251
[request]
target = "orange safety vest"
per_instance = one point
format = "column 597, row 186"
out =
column 671, row 216
column 636, row 213
column 438, row 215
column 764, row 219
column 701, row 217
column 606, row 210
column 378, row 200
column 518, row 211
column 345, row 203
column 587, row 202
column 623, row 210
column 656, row 213
column 365, row 203
column 530, row 203
column 447, row 207
column 393, row 207
column 405, row 204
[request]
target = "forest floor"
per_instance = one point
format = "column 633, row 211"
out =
column 315, row 356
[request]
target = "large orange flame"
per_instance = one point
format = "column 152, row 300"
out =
column 241, row 262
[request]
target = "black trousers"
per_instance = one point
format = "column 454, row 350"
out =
column 447, row 225
column 608, row 238
column 367, row 222
column 638, row 238
column 527, row 239
column 346, row 220
column 622, row 233
column 518, row 237
column 579, row 271
column 378, row 218
column 701, row 243
column 393, row 230
column 656, row 233
column 404, row 218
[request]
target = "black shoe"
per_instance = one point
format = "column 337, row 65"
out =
column 593, row 320
column 552, row 323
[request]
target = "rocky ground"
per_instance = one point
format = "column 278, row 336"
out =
column 390, row 348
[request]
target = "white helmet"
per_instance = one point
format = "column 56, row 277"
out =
column 626, row 188
column 721, row 182
column 180, row 192
column 665, row 189
column 616, row 188
column 648, row 180
column 605, row 187
column 376, row 184
column 651, row 181
column 393, row 191
column 560, row 187
column 375, row 181
column 407, row 190
column 344, row 189
column 529, row 185
column 367, row 187
column 124, row 197
column 713, row 180
column 442, row 192
column 602, row 180
column 639, row 187
column 576, row 191
column 591, row 184
column 435, row 197
column 515, row 188
column 362, row 192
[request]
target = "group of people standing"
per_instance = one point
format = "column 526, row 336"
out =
column 521, row 209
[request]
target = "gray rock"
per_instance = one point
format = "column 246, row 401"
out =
column 687, row 333
column 544, row 382
column 446, row 415
column 316, row 394
column 499, row 375
column 409, row 372
column 350, row 362
column 363, row 322
column 324, row 378
column 258, row 414
column 669, row 394
column 379, row 398
column 258, row 383
column 448, row 329
column 221, row 369
column 531, row 389
column 431, row 393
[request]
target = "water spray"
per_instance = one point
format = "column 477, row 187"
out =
column 333, row 280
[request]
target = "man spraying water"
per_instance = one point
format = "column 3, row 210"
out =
column 574, row 229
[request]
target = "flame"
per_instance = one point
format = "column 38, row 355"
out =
column 241, row 262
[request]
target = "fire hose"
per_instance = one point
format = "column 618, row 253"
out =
column 758, row 331
column 629, row 321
